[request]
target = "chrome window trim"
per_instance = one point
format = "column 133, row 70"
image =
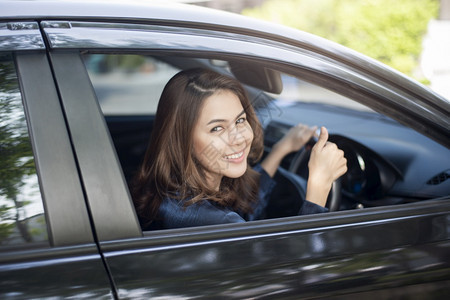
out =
column 20, row 36
column 111, row 34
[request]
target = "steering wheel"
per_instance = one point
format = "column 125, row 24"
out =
column 299, row 165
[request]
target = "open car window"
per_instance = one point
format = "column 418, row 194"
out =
column 128, row 84
column 384, row 157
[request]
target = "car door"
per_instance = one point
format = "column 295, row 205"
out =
column 361, row 253
column 47, row 246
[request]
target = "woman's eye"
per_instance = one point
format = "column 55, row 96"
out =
column 217, row 128
column 241, row 120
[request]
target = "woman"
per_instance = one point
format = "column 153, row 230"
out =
column 196, row 168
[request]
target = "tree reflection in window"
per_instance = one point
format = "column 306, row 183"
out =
column 21, row 210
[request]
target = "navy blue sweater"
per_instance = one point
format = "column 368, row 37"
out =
column 174, row 214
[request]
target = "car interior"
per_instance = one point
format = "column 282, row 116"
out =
column 388, row 163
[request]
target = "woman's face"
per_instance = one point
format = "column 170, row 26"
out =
column 222, row 137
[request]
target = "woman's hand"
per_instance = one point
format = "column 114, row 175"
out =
column 294, row 140
column 326, row 164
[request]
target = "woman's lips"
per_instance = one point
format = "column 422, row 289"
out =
column 235, row 157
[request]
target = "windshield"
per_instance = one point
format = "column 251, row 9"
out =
column 297, row 90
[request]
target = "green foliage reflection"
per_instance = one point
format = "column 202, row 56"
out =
column 18, row 179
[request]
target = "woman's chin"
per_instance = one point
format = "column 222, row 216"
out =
column 235, row 171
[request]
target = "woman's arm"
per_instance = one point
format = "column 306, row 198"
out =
column 294, row 140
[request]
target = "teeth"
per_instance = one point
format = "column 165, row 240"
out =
column 234, row 156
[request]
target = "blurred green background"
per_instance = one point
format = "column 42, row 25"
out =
column 412, row 36
column 389, row 31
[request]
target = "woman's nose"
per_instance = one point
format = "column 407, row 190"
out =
column 236, row 135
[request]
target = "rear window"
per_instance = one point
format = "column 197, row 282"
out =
column 22, row 220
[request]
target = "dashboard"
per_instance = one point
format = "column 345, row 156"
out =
column 387, row 162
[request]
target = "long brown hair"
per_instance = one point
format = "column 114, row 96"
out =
column 170, row 169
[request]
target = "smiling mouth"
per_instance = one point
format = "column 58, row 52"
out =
column 234, row 155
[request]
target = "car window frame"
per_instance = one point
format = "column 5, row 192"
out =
column 67, row 217
column 71, row 239
column 111, row 226
column 109, row 200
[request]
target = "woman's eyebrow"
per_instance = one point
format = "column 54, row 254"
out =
column 240, row 114
column 223, row 120
column 216, row 121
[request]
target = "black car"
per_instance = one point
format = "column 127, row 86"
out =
column 79, row 85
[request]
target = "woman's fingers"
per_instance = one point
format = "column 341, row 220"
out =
column 338, row 163
column 327, row 162
column 297, row 137
column 323, row 138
